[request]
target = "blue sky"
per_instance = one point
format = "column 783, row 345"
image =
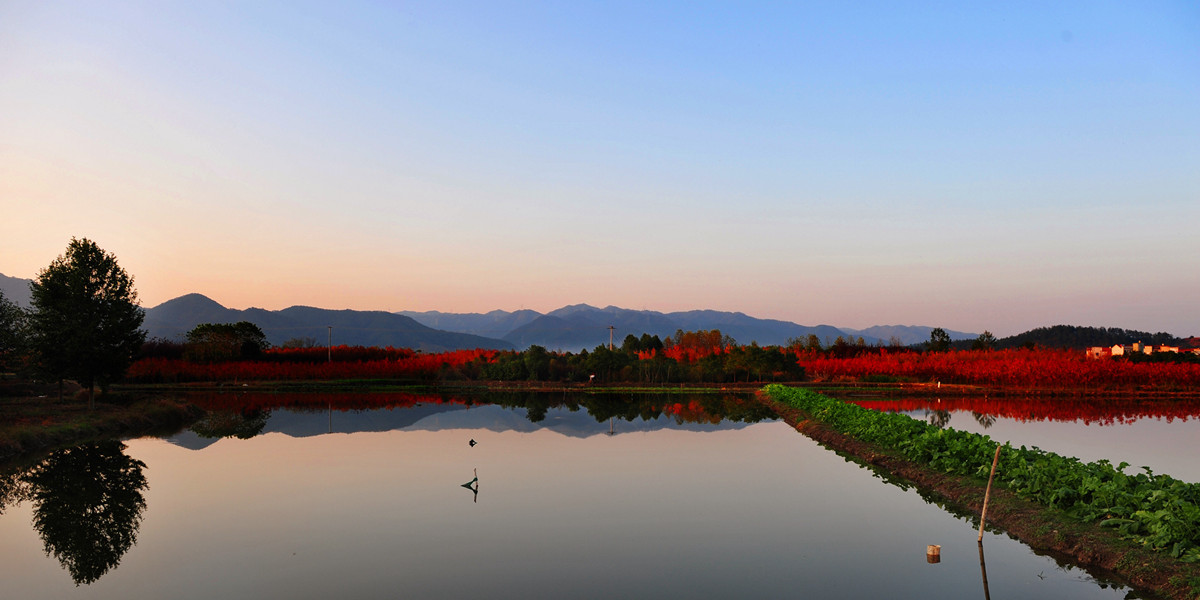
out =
column 968, row 165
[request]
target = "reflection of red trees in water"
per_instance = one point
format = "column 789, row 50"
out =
column 307, row 364
column 692, row 411
column 1105, row 411
column 1042, row 368
column 242, row 402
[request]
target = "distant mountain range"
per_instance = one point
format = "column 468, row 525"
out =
column 570, row 328
column 581, row 326
column 173, row 318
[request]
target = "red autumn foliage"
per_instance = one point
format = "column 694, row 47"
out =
column 691, row 346
column 1040, row 368
column 286, row 365
column 339, row 353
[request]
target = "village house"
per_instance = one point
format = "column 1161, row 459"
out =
column 1134, row 348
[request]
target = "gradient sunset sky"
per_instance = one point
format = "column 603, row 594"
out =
column 969, row 165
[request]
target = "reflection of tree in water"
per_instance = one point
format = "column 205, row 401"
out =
column 88, row 506
column 536, row 407
column 690, row 408
column 13, row 489
column 219, row 424
column 983, row 419
column 939, row 418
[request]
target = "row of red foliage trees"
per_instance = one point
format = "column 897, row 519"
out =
column 284, row 364
column 1038, row 368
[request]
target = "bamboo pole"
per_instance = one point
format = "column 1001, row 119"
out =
column 988, row 492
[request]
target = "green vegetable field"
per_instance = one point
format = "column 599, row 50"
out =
column 1158, row 511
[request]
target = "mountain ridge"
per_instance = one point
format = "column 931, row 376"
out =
column 572, row 327
column 174, row 318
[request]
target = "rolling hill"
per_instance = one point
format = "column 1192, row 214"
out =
column 173, row 318
column 16, row 290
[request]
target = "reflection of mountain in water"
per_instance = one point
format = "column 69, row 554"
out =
column 559, row 420
column 439, row 417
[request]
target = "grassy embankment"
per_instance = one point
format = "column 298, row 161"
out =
column 38, row 422
column 1145, row 528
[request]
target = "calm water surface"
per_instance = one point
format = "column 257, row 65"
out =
column 311, row 503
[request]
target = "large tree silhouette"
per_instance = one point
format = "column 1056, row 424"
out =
column 85, row 323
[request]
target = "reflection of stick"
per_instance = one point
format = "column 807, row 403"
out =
column 473, row 485
column 468, row 484
column 983, row 569
column 988, row 492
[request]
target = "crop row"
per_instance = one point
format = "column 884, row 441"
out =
column 1157, row 510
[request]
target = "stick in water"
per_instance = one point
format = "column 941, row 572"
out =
column 988, row 492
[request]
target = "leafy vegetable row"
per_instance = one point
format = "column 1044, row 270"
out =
column 1156, row 510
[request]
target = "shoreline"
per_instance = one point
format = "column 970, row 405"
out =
column 39, row 424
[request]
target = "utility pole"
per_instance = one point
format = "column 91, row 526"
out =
column 330, row 344
column 610, row 334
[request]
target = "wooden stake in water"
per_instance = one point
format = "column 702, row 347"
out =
column 988, row 491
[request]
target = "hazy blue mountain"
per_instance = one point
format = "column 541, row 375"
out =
column 625, row 321
column 746, row 329
column 581, row 326
column 15, row 289
column 176, row 317
column 557, row 333
column 495, row 324
column 907, row 334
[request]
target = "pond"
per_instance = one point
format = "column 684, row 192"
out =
column 581, row 497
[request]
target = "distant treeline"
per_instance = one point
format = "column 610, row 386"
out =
column 1078, row 338
column 687, row 357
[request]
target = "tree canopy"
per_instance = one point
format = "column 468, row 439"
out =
column 12, row 324
column 212, row 342
column 985, row 341
column 85, row 323
column 939, row 340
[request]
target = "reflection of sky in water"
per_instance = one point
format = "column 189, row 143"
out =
column 1165, row 446
column 753, row 511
